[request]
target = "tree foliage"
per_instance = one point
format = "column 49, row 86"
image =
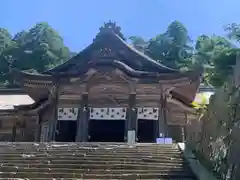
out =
column 208, row 50
column 39, row 48
column 138, row 43
column 174, row 48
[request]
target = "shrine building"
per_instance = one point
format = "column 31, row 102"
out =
column 109, row 92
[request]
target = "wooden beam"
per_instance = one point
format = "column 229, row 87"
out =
column 115, row 89
column 139, row 84
column 123, row 101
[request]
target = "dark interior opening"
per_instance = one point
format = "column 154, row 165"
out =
column 146, row 132
column 106, row 130
column 66, row 131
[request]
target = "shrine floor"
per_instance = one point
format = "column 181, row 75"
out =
column 45, row 161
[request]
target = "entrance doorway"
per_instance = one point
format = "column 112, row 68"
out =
column 145, row 131
column 66, row 131
column 106, row 130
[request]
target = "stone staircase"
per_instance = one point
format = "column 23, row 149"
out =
column 45, row 161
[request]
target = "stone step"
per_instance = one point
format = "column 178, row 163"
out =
column 123, row 178
column 84, row 165
column 16, row 152
column 89, row 152
column 92, row 161
column 77, row 161
column 128, row 149
column 92, row 148
column 94, row 166
column 110, row 175
column 100, row 166
column 98, row 160
column 96, row 145
column 94, row 171
column 86, row 144
column 89, row 156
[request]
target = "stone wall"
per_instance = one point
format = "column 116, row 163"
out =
column 215, row 134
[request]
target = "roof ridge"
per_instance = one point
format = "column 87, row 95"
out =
column 110, row 29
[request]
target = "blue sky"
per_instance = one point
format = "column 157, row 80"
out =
column 78, row 21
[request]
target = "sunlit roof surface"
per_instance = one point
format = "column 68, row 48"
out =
column 9, row 101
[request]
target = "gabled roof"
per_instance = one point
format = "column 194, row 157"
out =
column 108, row 41
column 110, row 49
column 8, row 102
column 13, row 101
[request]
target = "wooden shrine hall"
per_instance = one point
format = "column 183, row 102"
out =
column 108, row 92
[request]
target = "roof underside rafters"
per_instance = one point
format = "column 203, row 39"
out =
column 102, row 77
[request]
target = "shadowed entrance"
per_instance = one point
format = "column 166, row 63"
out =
column 106, row 130
column 146, row 131
column 66, row 131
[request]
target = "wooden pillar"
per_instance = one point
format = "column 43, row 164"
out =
column 156, row 128
column 21, row 125
column 44, row 131
column 164, row 110
column 183, row 133
column 82, row 120
column 160, row 129
column 14, row 131
column 38, row 129
column 53, row 120
column 183, row 128
column 162, row 125
column 126, row 127
column 132, row 118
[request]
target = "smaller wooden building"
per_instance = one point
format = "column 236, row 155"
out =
column 107, row 92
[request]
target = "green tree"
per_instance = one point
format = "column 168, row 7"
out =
column 209, row 51
column 138, row 43
column 5, row 39
column 233, row 31
column 223, row 64
column 39, row 48
column 173, row 47
column 42, row 38
column 5, row 44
